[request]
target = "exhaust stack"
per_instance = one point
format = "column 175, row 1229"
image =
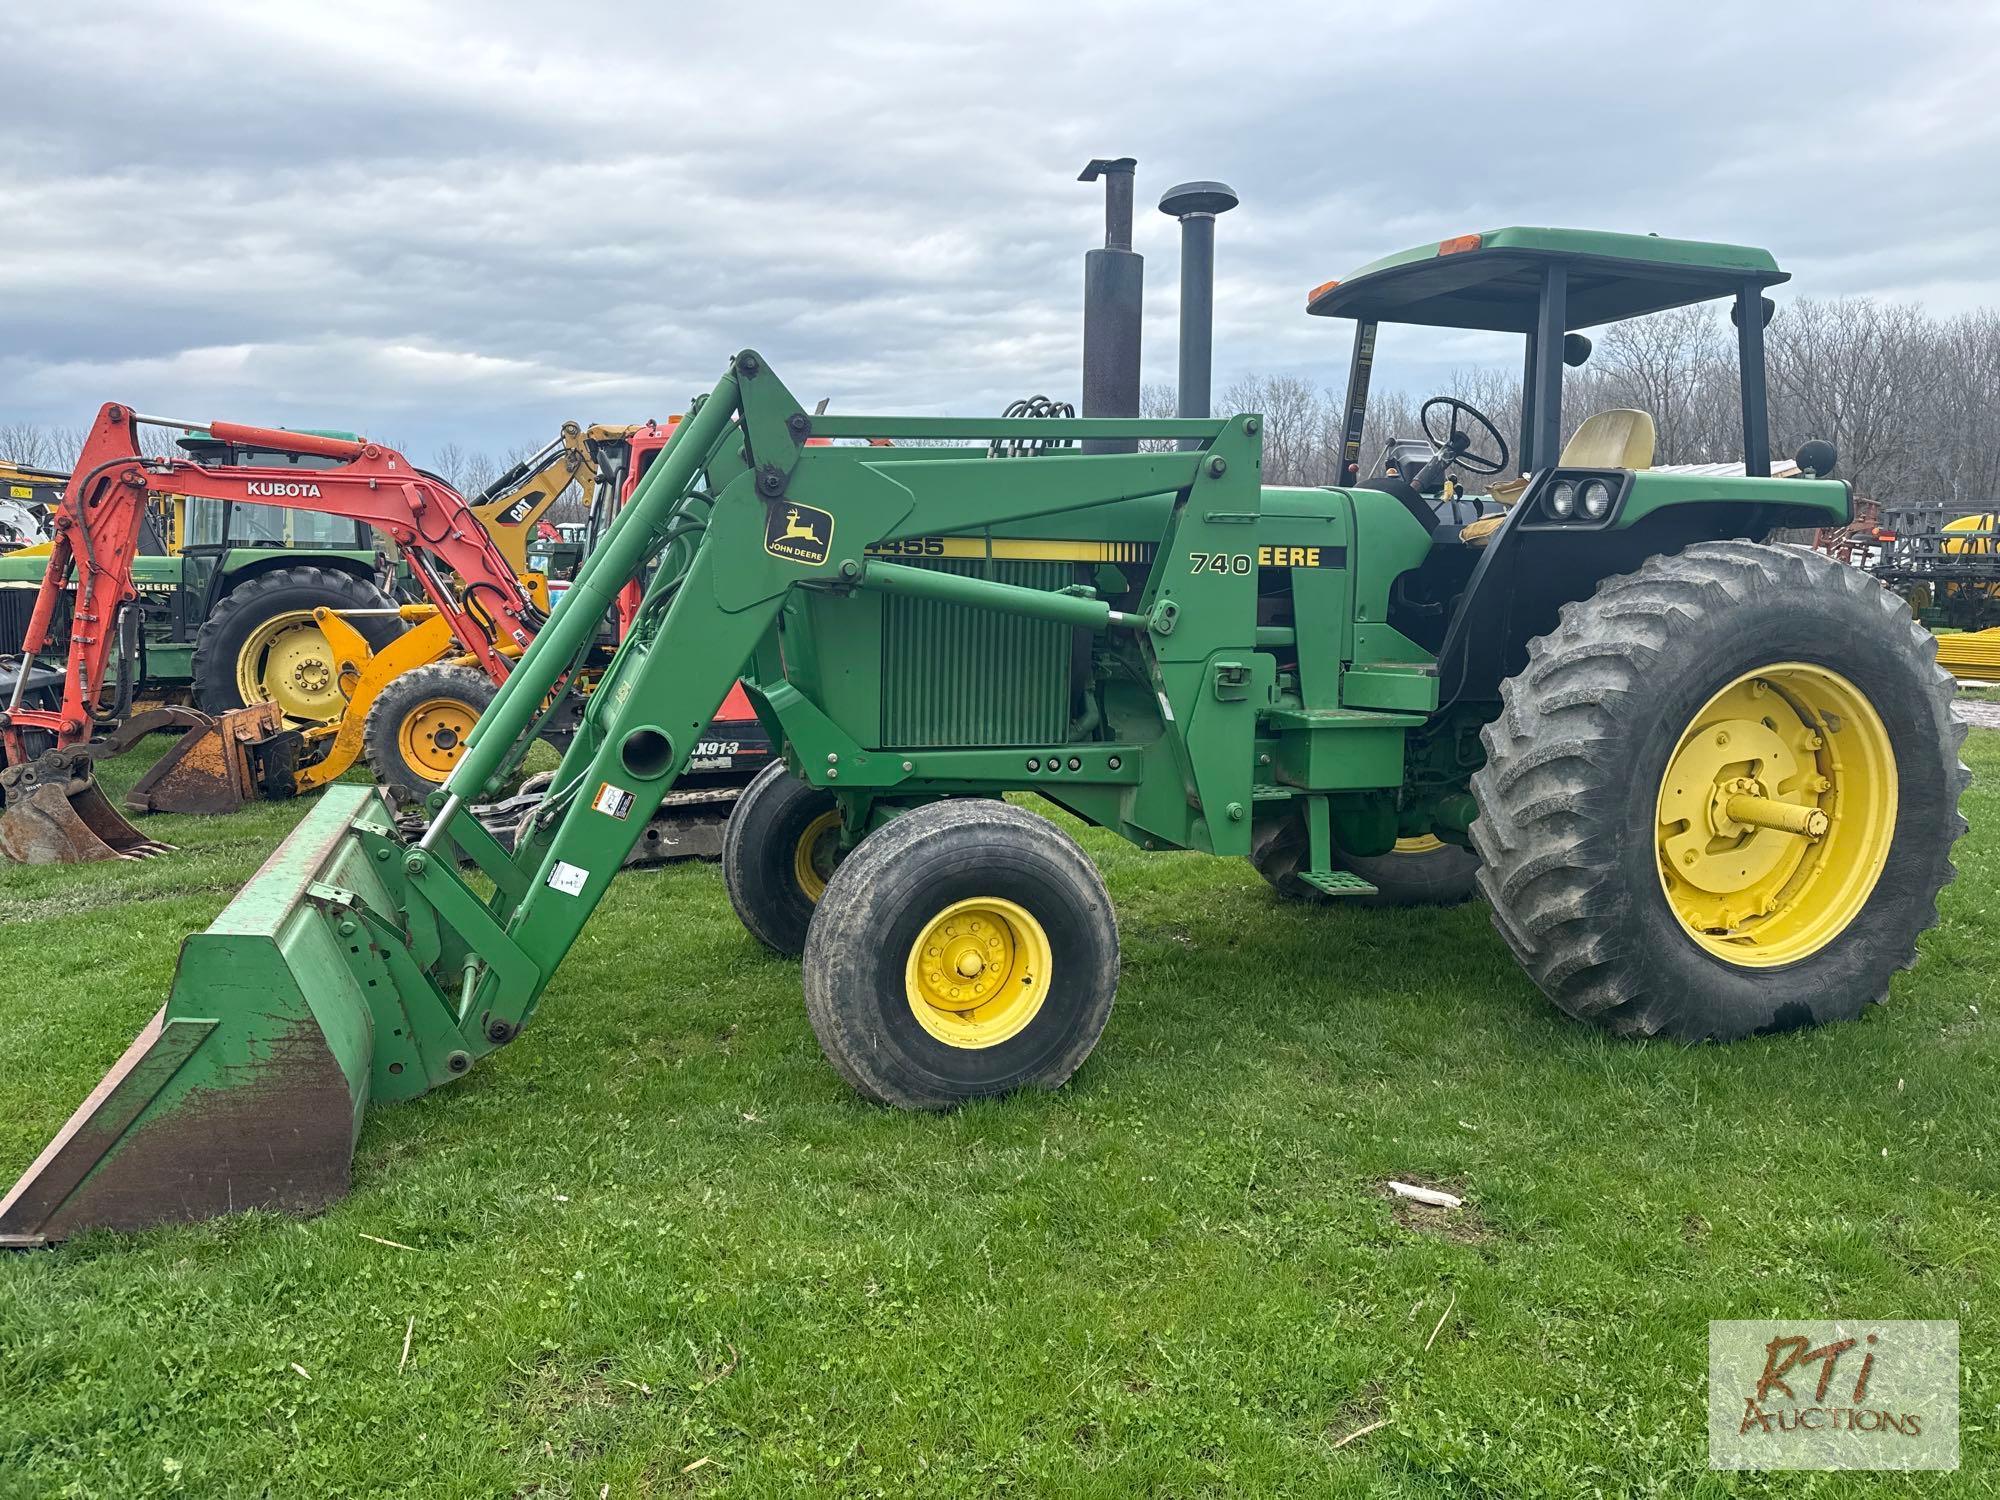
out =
column 1114, row 294
column 1196, row 205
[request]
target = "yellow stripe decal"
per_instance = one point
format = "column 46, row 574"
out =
column 1015, row 549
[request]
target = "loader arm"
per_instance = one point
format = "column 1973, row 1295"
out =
column 459, row 566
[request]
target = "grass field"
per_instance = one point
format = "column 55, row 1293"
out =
column 656, row 1246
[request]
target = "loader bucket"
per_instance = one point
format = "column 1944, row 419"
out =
column 246, row 1090
column 53, row 812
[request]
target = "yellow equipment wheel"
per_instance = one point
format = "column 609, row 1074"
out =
column 1774, row 825
column 431, row 736
column 1720, row 798
column 417, row 726
column 814, row 854
column 287, row 661
column 779, row 850
column 978, row 972
column 260, row 643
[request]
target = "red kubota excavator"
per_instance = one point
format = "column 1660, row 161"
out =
column 51, row 808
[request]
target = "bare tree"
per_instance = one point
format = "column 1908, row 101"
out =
column 449, row 462
column 32, row 446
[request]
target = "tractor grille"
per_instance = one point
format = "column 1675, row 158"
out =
column 953, row 675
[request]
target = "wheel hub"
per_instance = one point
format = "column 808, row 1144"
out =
column 432, row 736
column 1775, row 814
column 287, row 661
column 814, row 856
column 978, row 972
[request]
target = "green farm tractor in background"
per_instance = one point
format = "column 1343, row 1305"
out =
column 1708, row 785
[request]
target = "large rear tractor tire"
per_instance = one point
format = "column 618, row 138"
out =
column 1720, row 799
column 779, row 849
column 261, row 645
column 417, row 726
column 964, row 950
column 1417, row 872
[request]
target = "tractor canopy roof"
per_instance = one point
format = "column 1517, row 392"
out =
column 1493, row 280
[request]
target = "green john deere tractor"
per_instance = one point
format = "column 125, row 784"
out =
column 227, row 593
column 1710, row 783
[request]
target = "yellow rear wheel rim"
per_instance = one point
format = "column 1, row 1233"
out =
column 432, row 736
column 287, row 661
column 813, row 854
column 1776, row 814
column 978, row 972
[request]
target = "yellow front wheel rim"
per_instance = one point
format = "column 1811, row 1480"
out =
column 1423, row 843
column 979, row 972
column 288, row 661
column 1776, row 814
column 432, row 736
column 813, row 855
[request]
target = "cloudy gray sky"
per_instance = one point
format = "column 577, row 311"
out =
column 439, row 220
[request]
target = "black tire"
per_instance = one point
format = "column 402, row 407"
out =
column 1568, row 798
column 779, row 829
column 1443, row 875
column 888, row 892
column 414, row 765
column 236, row 619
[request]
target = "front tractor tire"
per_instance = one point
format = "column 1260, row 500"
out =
column 1721, row 797
column 417, row 725
column 965, row 949
column 779, row 849
column 260, row 643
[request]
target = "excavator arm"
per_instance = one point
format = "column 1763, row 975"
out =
column 457, row 563
column 511, row 506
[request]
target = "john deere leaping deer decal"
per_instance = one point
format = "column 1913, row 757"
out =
column 798, row 533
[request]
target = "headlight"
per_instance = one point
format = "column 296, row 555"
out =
column 1562, row 501
column 1595, row 497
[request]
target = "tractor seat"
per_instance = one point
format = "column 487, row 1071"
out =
column 1621, row 438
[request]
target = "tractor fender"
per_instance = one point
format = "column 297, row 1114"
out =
column 1527, row 573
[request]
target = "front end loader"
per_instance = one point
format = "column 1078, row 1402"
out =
column 1710, row 784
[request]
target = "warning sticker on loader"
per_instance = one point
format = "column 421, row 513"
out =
column 568, row 878
column 612, row 801
column 798, row 533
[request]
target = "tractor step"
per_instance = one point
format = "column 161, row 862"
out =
column 1337, row 883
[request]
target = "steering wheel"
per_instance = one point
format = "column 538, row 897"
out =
column 1455, row 447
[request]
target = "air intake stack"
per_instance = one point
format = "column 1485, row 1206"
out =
column 1196, row 205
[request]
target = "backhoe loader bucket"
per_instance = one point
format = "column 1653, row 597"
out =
column 245, row 1090
column 53, row 812
column 221, row 762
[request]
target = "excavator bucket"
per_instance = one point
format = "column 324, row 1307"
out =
column 53, row 812
column 245, row 1090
